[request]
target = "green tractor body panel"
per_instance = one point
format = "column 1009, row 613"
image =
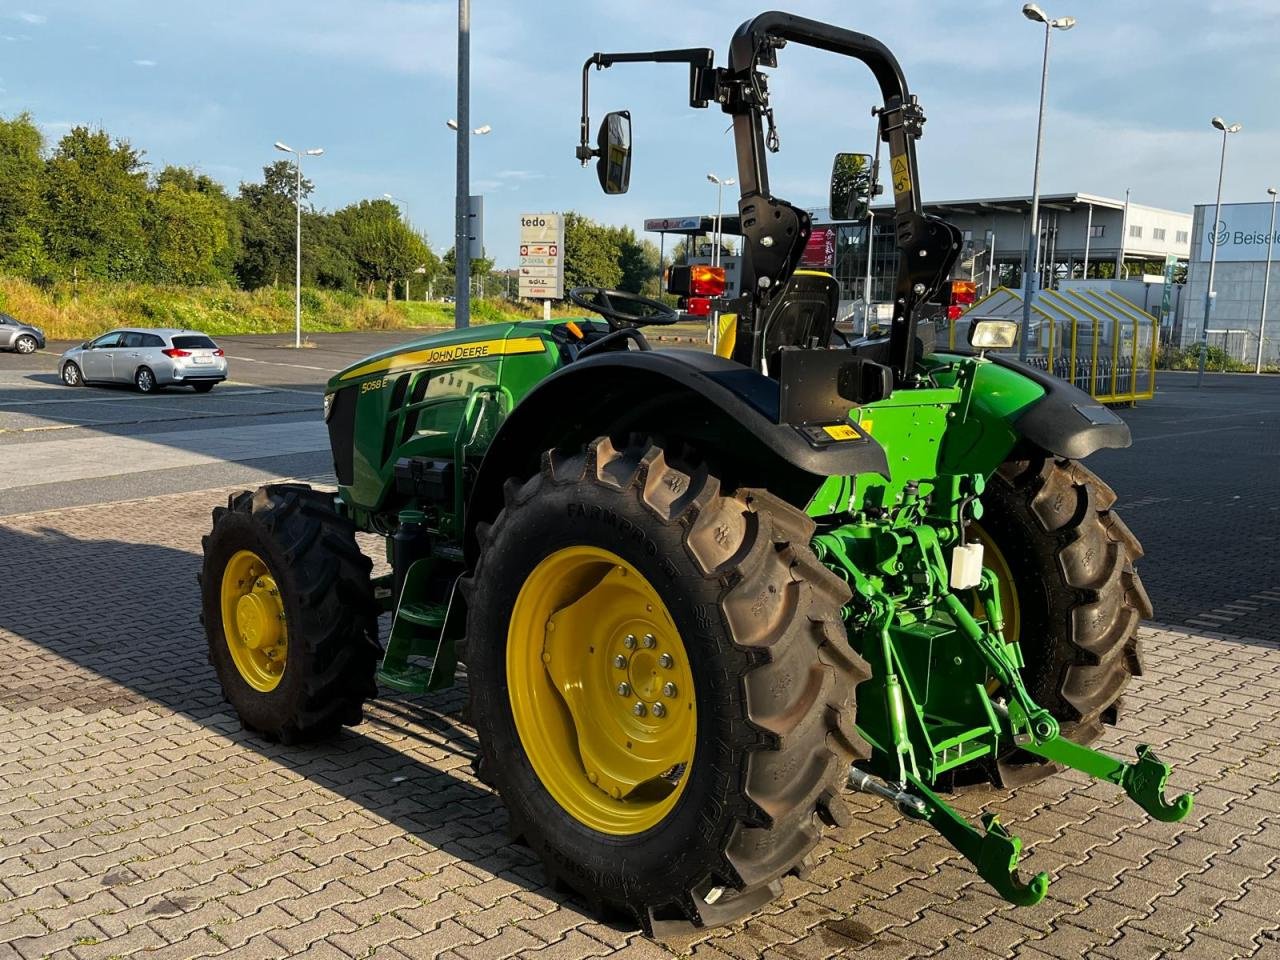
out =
column 434, row 399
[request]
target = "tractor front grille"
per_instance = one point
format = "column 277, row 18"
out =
column 342, row 432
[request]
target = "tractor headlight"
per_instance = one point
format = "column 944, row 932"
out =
column 328, row 406
column 990, row 333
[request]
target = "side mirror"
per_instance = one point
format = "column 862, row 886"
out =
column 613, row 145
column 851, row 186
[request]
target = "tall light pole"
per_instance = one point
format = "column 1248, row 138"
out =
column 297, row 250
column 462, row 213
column 1031, row 269
column 1266, row 280
column 720, row 185
column 1227, row 129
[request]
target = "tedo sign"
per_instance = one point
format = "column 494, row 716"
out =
column 542, row 255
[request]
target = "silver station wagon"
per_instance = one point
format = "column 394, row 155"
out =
column 149, row 359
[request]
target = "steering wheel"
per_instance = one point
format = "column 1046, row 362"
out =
column 621, row 309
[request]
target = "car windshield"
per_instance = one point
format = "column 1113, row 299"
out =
column 198, row 342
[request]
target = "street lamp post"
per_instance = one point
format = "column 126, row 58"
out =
column 720, row 185
column 1031, row 268
column 1266, row 281
column 297, row 250
column 462, row 214
column 1227, row 129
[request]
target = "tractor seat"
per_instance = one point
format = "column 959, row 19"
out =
column 803, row 314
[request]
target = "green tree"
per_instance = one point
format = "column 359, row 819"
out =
column 267, row 222
column 592, row 253
column 191, row 228
column 385, row 249
column 21, row 202
column 95, row 192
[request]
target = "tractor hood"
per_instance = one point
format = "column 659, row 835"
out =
column 490, row 340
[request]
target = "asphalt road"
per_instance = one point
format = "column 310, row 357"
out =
column 62, row 447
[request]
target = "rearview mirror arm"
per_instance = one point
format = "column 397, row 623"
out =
column 702, row 83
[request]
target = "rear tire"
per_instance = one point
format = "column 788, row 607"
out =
column 1074, row 566
column 144, row 380
column 71, row 374
column 328, row 608
column 773, row 673
column 202, row 387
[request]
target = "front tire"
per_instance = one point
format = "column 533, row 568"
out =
column 1078, row 597
column 26, row 344
column 71, row 374
column 757, row 619
column 289, row 613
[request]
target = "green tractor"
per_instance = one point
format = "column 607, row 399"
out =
column 700, row 595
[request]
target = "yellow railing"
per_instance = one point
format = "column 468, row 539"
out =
column 1097, row 340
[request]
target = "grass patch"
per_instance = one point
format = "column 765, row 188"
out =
column 65, row 312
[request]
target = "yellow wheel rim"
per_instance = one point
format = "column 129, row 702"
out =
column 253, row 621
column 994, row 560
column 601, row 690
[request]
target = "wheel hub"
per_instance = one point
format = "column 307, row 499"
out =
column 611, row 743
column 253, row 621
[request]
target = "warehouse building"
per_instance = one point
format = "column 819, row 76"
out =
column 1235, row 322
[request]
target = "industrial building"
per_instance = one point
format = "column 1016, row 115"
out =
column 1082, row 236
column 1241, row 238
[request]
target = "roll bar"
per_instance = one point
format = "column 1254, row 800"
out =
column 774, row 231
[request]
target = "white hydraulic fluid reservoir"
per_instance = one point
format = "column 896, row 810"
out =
column 966, row 566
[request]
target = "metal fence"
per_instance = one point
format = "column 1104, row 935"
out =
column 1096, row 340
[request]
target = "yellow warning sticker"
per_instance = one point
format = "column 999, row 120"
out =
column 841, row 431
column 901, row 174
column 433, row 356
column 866, row 425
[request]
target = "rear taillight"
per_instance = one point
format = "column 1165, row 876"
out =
column 176, row 352
column 698, row 306
column 706, row 281
column 219, row 353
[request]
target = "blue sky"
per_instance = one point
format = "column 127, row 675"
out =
column 1132, row 89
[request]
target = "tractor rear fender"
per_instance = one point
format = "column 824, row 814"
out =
column 1015, row 403
column 725, row 410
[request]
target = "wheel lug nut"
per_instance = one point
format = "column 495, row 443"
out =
column 620, row 662
column 665, row 661
column 638, row 709
column 648, row 641
column 624, row 689
column 659, row 710
column 630, row 641
column 668, row 689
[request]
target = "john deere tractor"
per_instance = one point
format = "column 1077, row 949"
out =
column 701, row 594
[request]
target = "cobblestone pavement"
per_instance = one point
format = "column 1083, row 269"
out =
column 138, row 820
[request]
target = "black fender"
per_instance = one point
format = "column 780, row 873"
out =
column 1066, row 421
column 728, row 412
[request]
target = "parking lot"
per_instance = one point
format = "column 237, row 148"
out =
column 138, row 820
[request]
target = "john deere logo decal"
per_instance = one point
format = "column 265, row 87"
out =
column 1220, row 233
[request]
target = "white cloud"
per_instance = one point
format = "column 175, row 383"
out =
column 35, row 19
column 144, row 63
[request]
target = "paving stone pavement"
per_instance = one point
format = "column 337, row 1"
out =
column 138, row 820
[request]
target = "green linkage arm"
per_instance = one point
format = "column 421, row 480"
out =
column 994, row 854
column 1144, row 781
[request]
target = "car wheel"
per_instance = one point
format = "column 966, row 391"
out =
column 26, row 344
column 144, row 380
column 202, row 387
column 71, row 375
